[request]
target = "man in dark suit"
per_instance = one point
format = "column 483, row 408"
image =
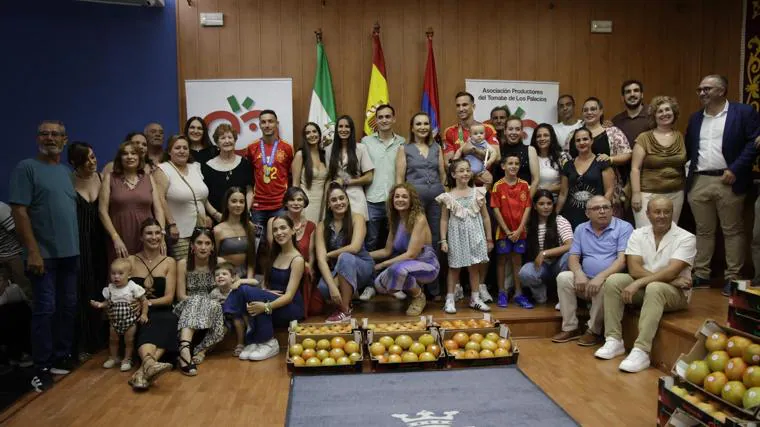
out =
column 720, row 146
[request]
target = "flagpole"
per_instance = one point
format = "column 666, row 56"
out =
column 318, row 34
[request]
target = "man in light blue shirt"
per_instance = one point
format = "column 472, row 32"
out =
column 382, row 147
column 598, row 251
column 43, row 204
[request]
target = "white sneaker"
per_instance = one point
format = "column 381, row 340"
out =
column 637, row 361
column 110, row 363
column 247, row 350
column 556, row 307
column 126, row 365
column 266, row 350
column 485, row 296
column 400, row 295
column 368, row 293
column 611, row 349
column 450, row 306
column 477, row 304
column 458, row 292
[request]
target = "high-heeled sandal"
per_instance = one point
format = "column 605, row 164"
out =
column 199, row 357
column 189, row 369
column 138, row 381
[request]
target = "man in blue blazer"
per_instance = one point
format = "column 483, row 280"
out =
column 720, row 147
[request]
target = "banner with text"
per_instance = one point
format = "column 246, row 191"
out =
column 239, row 103
column 533, row 102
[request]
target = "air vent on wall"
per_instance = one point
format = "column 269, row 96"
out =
column 146, row 3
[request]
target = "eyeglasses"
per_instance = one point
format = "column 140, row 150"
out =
column 704, row 89
column 50, row 133
column 600, row 208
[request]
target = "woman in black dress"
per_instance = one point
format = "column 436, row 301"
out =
column 157, row 274
column 225, row 170
column 583, row 178
column 201, row 147
column 91, row 328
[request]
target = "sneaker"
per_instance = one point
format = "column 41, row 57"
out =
column 450, row 306
column 637, row 361
column 477, row 304
column 485, row 296
column 611, row 349
column 699, row 283
column 458, row 292
column 339, row 316
column 523, row 301
column 126, row 365
column 503, row 300
column 368, row 293
column 726, row 292
column 110, row 363
column 42, row 380
column 417, row 305
column 250, row 348
column 62, row 366
column 266, row 350
column 400, row 295
column 556, row 307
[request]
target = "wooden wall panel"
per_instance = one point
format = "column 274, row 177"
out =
column 668, row 44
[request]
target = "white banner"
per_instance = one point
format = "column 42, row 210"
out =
column 533, row 102
column 239, row 103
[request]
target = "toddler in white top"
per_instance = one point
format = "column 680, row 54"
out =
column 120, row 298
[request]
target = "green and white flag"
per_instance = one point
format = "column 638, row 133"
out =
column 322, row 108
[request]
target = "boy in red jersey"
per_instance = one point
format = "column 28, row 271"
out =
column 510, row 200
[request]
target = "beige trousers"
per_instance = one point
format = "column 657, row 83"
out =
column 568, row 305
column 656, row 298
column 710, row 201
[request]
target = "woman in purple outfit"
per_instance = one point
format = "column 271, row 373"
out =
column 410, row 257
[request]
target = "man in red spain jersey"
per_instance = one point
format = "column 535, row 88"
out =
column 270, row 159
column 457, row 135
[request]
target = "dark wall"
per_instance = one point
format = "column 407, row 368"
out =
column 103, row 69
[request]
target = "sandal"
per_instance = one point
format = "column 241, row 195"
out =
column 238, row 349
column 199, row 357
column 151, row 371
column 138, row 381
column 189, row 367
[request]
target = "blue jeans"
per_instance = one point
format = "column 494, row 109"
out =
column 536, row 280
column 377, row 226
column 260, row 218
column 54, row 310
column 261, row 327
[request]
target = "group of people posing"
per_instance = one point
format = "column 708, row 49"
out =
column 188, row 225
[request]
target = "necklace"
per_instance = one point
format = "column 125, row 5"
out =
column 131, row 183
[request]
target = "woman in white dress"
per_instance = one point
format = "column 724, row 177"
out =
column 350, row 165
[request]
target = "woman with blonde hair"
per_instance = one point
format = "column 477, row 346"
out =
column 659, row 156
column 411, row 259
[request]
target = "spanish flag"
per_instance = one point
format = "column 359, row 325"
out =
column 378, row 83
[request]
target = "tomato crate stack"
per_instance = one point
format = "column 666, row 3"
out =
column 716, row 384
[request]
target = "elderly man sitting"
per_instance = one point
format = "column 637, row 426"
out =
column 597, row 252
column 659, row 259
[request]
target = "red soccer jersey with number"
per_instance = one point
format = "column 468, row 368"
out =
column 267, row 196
column 452, row 140
column 511, row 201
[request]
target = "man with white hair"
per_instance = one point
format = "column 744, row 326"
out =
column 659, row 259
